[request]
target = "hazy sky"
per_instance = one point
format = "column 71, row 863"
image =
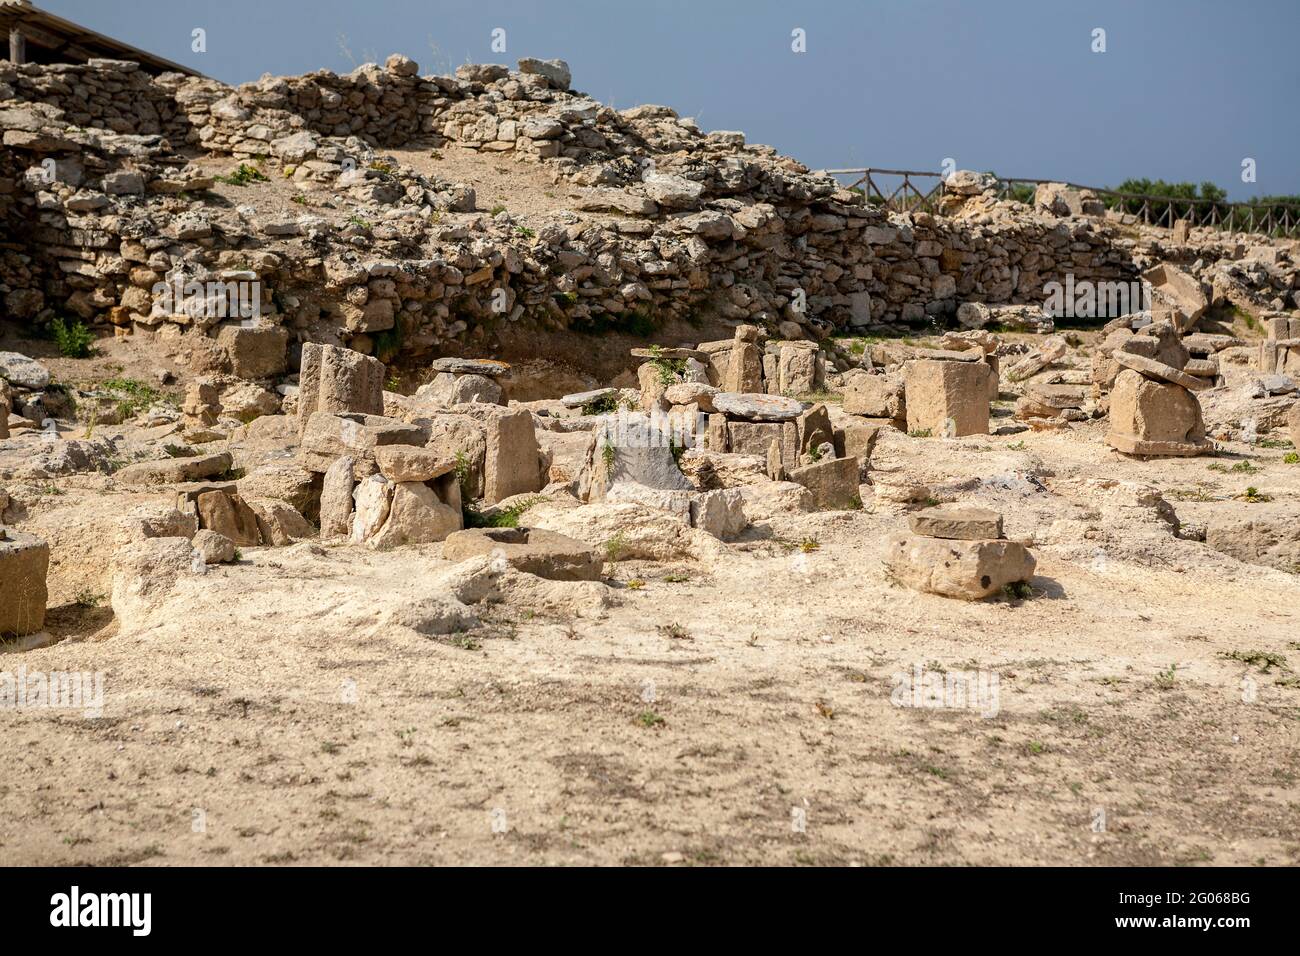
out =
column 1184, row 91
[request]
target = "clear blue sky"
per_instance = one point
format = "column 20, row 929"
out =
column 1185, row 90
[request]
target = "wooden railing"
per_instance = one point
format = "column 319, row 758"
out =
column 898, row 191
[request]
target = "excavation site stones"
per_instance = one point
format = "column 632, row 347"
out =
column 460, row 469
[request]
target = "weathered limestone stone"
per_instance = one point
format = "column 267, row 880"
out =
column 797, row 368
column 1293, row 424
column 1158, row 370
column 173, row 470
column 214, row 547
column 329, row 435
column 24, row 564
column 462, row 439
column 630, row 449
column 490, row 368
column 511, row 464
column 336, row 498
column 1154, row 418
column 1176, row 289
column 255, row 352
column 948, row 399
column 449, row 389
column 583, row 399
column 757, row 407
column 284, row 481
column 753, row 438
column 857, row 439
column 876, row 396
column 721, row 513
column 278, row 523
column 1052, row 350
column 23, row 372
column 969, row 570
column 833, row 483
column 950, row 521
column 547, row 554
column 653, row 387
column 407, row 463
column 338, row 380
column 416, row 516
column 1268, row 535
column 227, row 513
column 692, row 393
column 744, row 368
column 813, row 429
column 372, row 500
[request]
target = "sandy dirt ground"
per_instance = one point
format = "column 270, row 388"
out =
column 740, row 708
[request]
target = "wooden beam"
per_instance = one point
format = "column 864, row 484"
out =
column 17, row 46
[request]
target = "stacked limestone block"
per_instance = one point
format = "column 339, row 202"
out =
column 1279, row 354
column 1154, row 411
column 957, row 552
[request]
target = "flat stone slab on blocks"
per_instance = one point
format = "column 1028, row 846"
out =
column 671, row 354
column 400, row 463
column 547, row 554
column 969, row 570
column 329, row 436
column 1159, row 370
column 756, row 407
column 24, row 564
column 960, row 523
column 583, row 399
column 169, row 471
column 462, row 366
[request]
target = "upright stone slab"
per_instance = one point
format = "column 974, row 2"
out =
column 814, row 429
column 24, row 564
column 744, row 362
column 334, row 379
column 511, row 465
column 947, row 399
column 797, row 368
column 336, row 498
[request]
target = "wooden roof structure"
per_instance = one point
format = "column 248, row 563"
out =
column 37, row 36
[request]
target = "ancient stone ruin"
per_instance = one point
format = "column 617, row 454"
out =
column 320, row 371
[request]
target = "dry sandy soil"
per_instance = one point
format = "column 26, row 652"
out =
column 734, row 709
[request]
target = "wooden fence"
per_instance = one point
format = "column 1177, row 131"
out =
column 900, row 190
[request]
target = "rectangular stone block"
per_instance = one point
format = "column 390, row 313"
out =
column 333, row 379
column 511, row 466
column 329, row 436
column 24, row 564
column 753, row 438
column 947, row 399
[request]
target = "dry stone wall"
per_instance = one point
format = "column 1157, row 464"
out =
column 103, row 200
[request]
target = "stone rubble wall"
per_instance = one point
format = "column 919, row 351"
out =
column 662, row 221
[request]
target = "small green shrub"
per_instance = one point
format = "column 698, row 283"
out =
column 73, row 340
column 243, row 175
